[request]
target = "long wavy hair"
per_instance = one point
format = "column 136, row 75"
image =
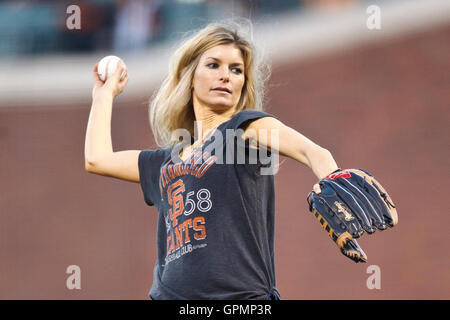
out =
column 171, row 106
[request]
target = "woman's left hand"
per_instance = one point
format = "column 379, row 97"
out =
column 316, row 188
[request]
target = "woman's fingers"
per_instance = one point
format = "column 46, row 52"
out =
column 97, row 79
column 124, row 81
column 119, row 71
column 113, row 84
column 316, row 188
column 114, row 79
column 123, row 71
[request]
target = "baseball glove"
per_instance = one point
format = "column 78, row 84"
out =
column 351, row 202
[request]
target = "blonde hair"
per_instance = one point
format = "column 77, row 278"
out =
column 171, row 106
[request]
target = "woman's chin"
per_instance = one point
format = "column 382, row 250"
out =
column 221, row 105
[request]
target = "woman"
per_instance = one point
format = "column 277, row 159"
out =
column 216, row 219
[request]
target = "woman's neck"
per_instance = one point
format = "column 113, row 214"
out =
column 208, row 120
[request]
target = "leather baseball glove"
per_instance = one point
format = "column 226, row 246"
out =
column 350, row 203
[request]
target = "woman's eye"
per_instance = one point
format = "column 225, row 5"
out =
column 214, row 65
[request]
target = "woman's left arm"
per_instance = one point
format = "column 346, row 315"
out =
column 291, row 144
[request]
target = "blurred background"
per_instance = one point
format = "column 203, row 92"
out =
column 376, row 96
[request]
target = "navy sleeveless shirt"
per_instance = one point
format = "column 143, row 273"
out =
column 215, row 236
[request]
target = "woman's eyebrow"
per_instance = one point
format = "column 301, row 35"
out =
column 233, row 64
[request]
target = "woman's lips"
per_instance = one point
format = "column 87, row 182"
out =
column 221, row 91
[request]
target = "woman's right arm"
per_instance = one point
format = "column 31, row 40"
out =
column 98, row 151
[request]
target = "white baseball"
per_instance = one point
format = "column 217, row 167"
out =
column 108, row 65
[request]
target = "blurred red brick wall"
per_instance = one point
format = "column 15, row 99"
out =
column 382, row 107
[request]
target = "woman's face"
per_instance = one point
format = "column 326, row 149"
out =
column 219, row 77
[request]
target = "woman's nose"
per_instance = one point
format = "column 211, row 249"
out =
column 224, row 74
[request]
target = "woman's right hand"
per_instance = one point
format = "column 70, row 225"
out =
column 113, row 86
